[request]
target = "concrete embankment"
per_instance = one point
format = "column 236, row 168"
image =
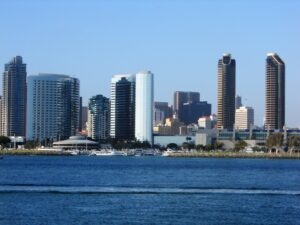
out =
column 236, row 155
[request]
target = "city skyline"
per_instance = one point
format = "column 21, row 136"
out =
column 184, row 49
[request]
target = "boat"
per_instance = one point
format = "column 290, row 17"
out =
column 169, row 152
column 107, row 153
column 72, row 152
column 130, row 152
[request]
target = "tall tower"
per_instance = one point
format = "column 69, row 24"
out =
column 98, row 118
column 122, row 107
column 144, row 106
column 275, row 92
column 53, row 107
column 226, row 92
column 14, row 98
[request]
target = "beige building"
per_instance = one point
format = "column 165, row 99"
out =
column 244, row 118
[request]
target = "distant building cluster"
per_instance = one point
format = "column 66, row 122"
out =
column 48, row 107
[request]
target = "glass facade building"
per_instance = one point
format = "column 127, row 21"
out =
column 181, row 97
column 122, row 107
column 98, row 118
column 13, row 108
column 53, row 107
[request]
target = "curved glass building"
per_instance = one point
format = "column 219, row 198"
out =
column 52, row 107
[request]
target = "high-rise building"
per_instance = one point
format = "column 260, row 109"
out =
column 244, row 118
column 275, row 92
column 181, row 97
column 13, row 121
column 122, row 107
column 53, row 107
column 164, row 106
column 0, row 112
column 162, row 110
column 84, row 117
column 158, row 117
column 192, row 111
column 144, row 92
column 238, row 102
column 98, row 118
column 226, row 92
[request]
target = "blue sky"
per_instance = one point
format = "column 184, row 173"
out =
column 179, row 41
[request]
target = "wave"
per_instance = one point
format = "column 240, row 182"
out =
column 137, row 190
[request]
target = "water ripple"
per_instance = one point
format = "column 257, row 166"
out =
column 137, row 190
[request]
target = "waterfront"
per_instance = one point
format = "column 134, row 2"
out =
column 149, row 190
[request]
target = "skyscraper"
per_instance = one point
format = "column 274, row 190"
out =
column 181, row 97
column 122, row 113
column 98, row 118
column 275, row 92
column 144, row 106
column 238, row 102
column 53, row 107
column 192, row 111
column 226, row 92
column 84, row 117
column 14, row 98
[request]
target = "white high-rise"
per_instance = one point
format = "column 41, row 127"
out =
column 144, row 106
column 244, row 118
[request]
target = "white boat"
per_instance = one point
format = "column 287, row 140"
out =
column 72, row 152
column 169, row 152
column 107, row 153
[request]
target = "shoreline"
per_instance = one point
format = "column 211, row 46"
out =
column 33, row 153
column 236, row 155
column 172, row 155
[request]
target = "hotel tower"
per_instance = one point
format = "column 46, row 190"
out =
column 226, row 92
column 275, row 92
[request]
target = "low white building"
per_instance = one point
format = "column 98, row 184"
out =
column 178, row 140
column 205, row 122
column 205, row 136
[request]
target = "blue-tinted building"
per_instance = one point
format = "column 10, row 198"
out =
column 53, row 107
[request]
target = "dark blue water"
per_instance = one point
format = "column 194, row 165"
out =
column 148, row 190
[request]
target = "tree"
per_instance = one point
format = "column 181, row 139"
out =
column 239, row 145
column 32, row 144
column 274, row 140
column 220, row 145
column 4, row 141
column 199, row 147
column 207, row 147
column 293, row 143
column 185, row 145
column 172, row 146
